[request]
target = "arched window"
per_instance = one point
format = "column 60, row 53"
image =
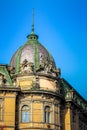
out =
column 25, row 114
column 47, row 114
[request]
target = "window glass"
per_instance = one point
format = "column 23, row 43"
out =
column 47, row 114
column 25, row 114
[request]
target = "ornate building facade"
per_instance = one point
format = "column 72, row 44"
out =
column 33, row 96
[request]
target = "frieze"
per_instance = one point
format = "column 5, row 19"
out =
column 79, row 101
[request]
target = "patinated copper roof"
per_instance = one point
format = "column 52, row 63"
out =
column 33, row 52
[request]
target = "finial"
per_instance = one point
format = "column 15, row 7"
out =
column 33, row 21
column 32, row 36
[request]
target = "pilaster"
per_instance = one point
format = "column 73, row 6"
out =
column 68, row 116
column 77, row 120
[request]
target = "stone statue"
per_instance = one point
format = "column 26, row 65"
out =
column 26, row 67
column 57, row 72
column 11, row 70
column 46, row 66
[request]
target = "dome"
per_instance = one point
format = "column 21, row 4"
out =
column 33, row 53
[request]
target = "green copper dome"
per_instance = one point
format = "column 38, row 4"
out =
column 34, row 53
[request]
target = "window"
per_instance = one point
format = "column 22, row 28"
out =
column 47, row 114
column 25, row 114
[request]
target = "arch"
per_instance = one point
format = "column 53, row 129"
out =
column 47, row 114
column 25, row 113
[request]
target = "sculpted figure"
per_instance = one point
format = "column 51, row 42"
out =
column 44, row 66
column 11, row 70
column 57, row 72
column 26, row 67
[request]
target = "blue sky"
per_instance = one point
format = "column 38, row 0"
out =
column 62, row 29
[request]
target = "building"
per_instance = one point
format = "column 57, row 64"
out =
column 33, row 96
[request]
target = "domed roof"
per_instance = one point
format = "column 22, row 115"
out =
column 33, row 53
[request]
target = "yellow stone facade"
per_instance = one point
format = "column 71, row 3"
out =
column 8, row 106
column 12, row 101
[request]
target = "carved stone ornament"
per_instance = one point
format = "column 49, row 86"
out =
column 48, row 67
column 57, row 72
column 26, row 67
column 11, row 70
column 14, row 82
column 47, row 104
column 3, row 80
column 43, row 67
